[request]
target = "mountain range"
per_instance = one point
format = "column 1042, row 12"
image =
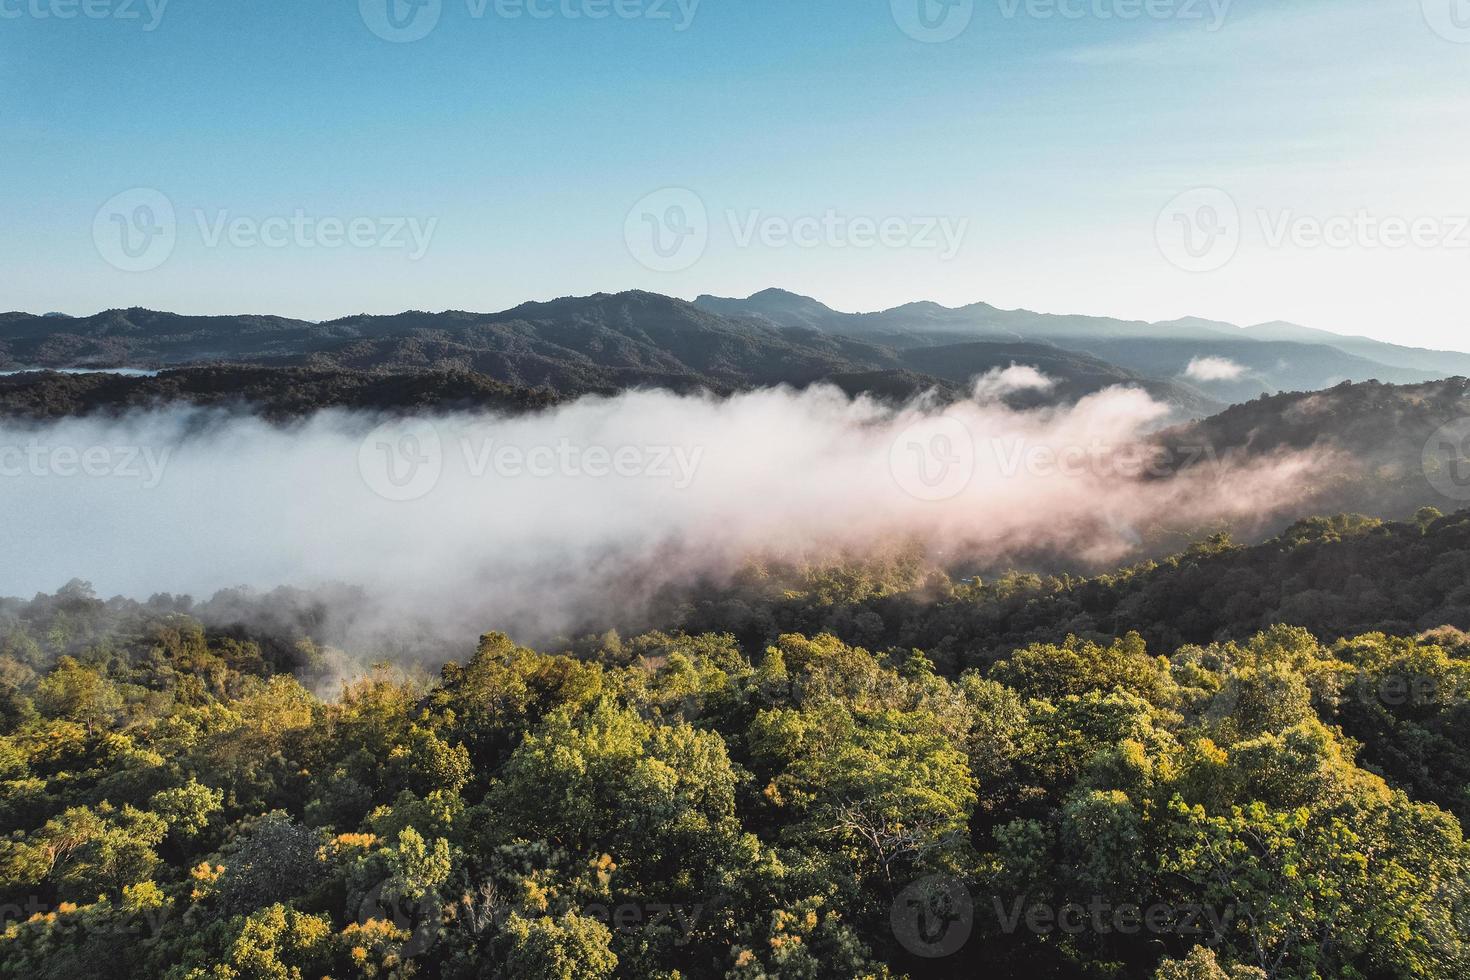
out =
column 611, row 342
column 1262, row 359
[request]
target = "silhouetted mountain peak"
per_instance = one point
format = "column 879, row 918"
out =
column 772, row 300
column 777, row 307
column 923, row 307
column 1199, row 323
column 774, row 296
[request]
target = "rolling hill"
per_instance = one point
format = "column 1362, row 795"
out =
column 1263, row 359
column 569, row 347
column 613, row 342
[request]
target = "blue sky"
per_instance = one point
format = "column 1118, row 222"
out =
column 499, row 158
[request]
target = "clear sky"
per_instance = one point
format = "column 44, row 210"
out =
column 327, row 158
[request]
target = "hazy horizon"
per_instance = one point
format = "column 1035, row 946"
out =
column 1464, row 348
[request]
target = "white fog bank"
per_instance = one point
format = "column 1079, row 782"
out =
column 540, row 519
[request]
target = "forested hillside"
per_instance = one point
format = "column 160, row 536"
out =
column 612, row 342
column 874, row 772
column 573, row 346
column 273, row 393
column 1336, row 576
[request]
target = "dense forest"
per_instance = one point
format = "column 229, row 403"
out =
column 1333, row 575
column 1241, row 762
column 277, row 394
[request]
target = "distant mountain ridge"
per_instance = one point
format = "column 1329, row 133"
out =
column 1274, row 356
column 610, row 342
column 568, row 347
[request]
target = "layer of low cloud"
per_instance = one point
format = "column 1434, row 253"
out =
column 1213, row 369
column 539, row 523
column 999, row 382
